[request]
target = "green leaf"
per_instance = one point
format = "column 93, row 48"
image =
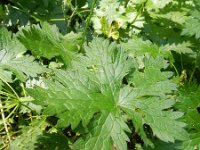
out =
column 112, row 15
column 67, row 2
column 138, row 47
column 15, row 17
column 157, row 84
column 91, row 93
column 157, row 4
column 148, row 82
column 28, row 139
column 150, row 109
column 13, row 60
column 54, row 141
column 46, row 41
column 188, row 102
column 33, row 137
column 162, row 122
column 159, row 145
column 192, row 25
column 192, row 28
column 180, row 48
column 192, row 143
column 21, row 13
column 113, row 127
column 109, row 30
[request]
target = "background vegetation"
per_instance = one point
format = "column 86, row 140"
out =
column 100, row 74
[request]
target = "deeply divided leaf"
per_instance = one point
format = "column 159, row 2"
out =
column 46, row 41
column 92, row 92
column 189, row 102
column 14, row 61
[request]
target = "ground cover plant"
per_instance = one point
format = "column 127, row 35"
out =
column 99, row 74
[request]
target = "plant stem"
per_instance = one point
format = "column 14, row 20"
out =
column 22, row 9
column 175, row 69
column 8, row 106
column 7, row 94
column 10, row 88
column 4, row 121
column 181, row 62
column 193, row 71
column 23, row 89
column 12, row 112
column 64, row 13
column 126, row 4
column 26, row 100
column 139, row 12
column 57, row 19
column 88, row 21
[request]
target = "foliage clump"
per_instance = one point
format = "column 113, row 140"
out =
column 99, row 74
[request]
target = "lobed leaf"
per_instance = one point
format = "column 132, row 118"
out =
column 91, row 93
column 46, row 41
column 13, row 60
column 188, row 102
